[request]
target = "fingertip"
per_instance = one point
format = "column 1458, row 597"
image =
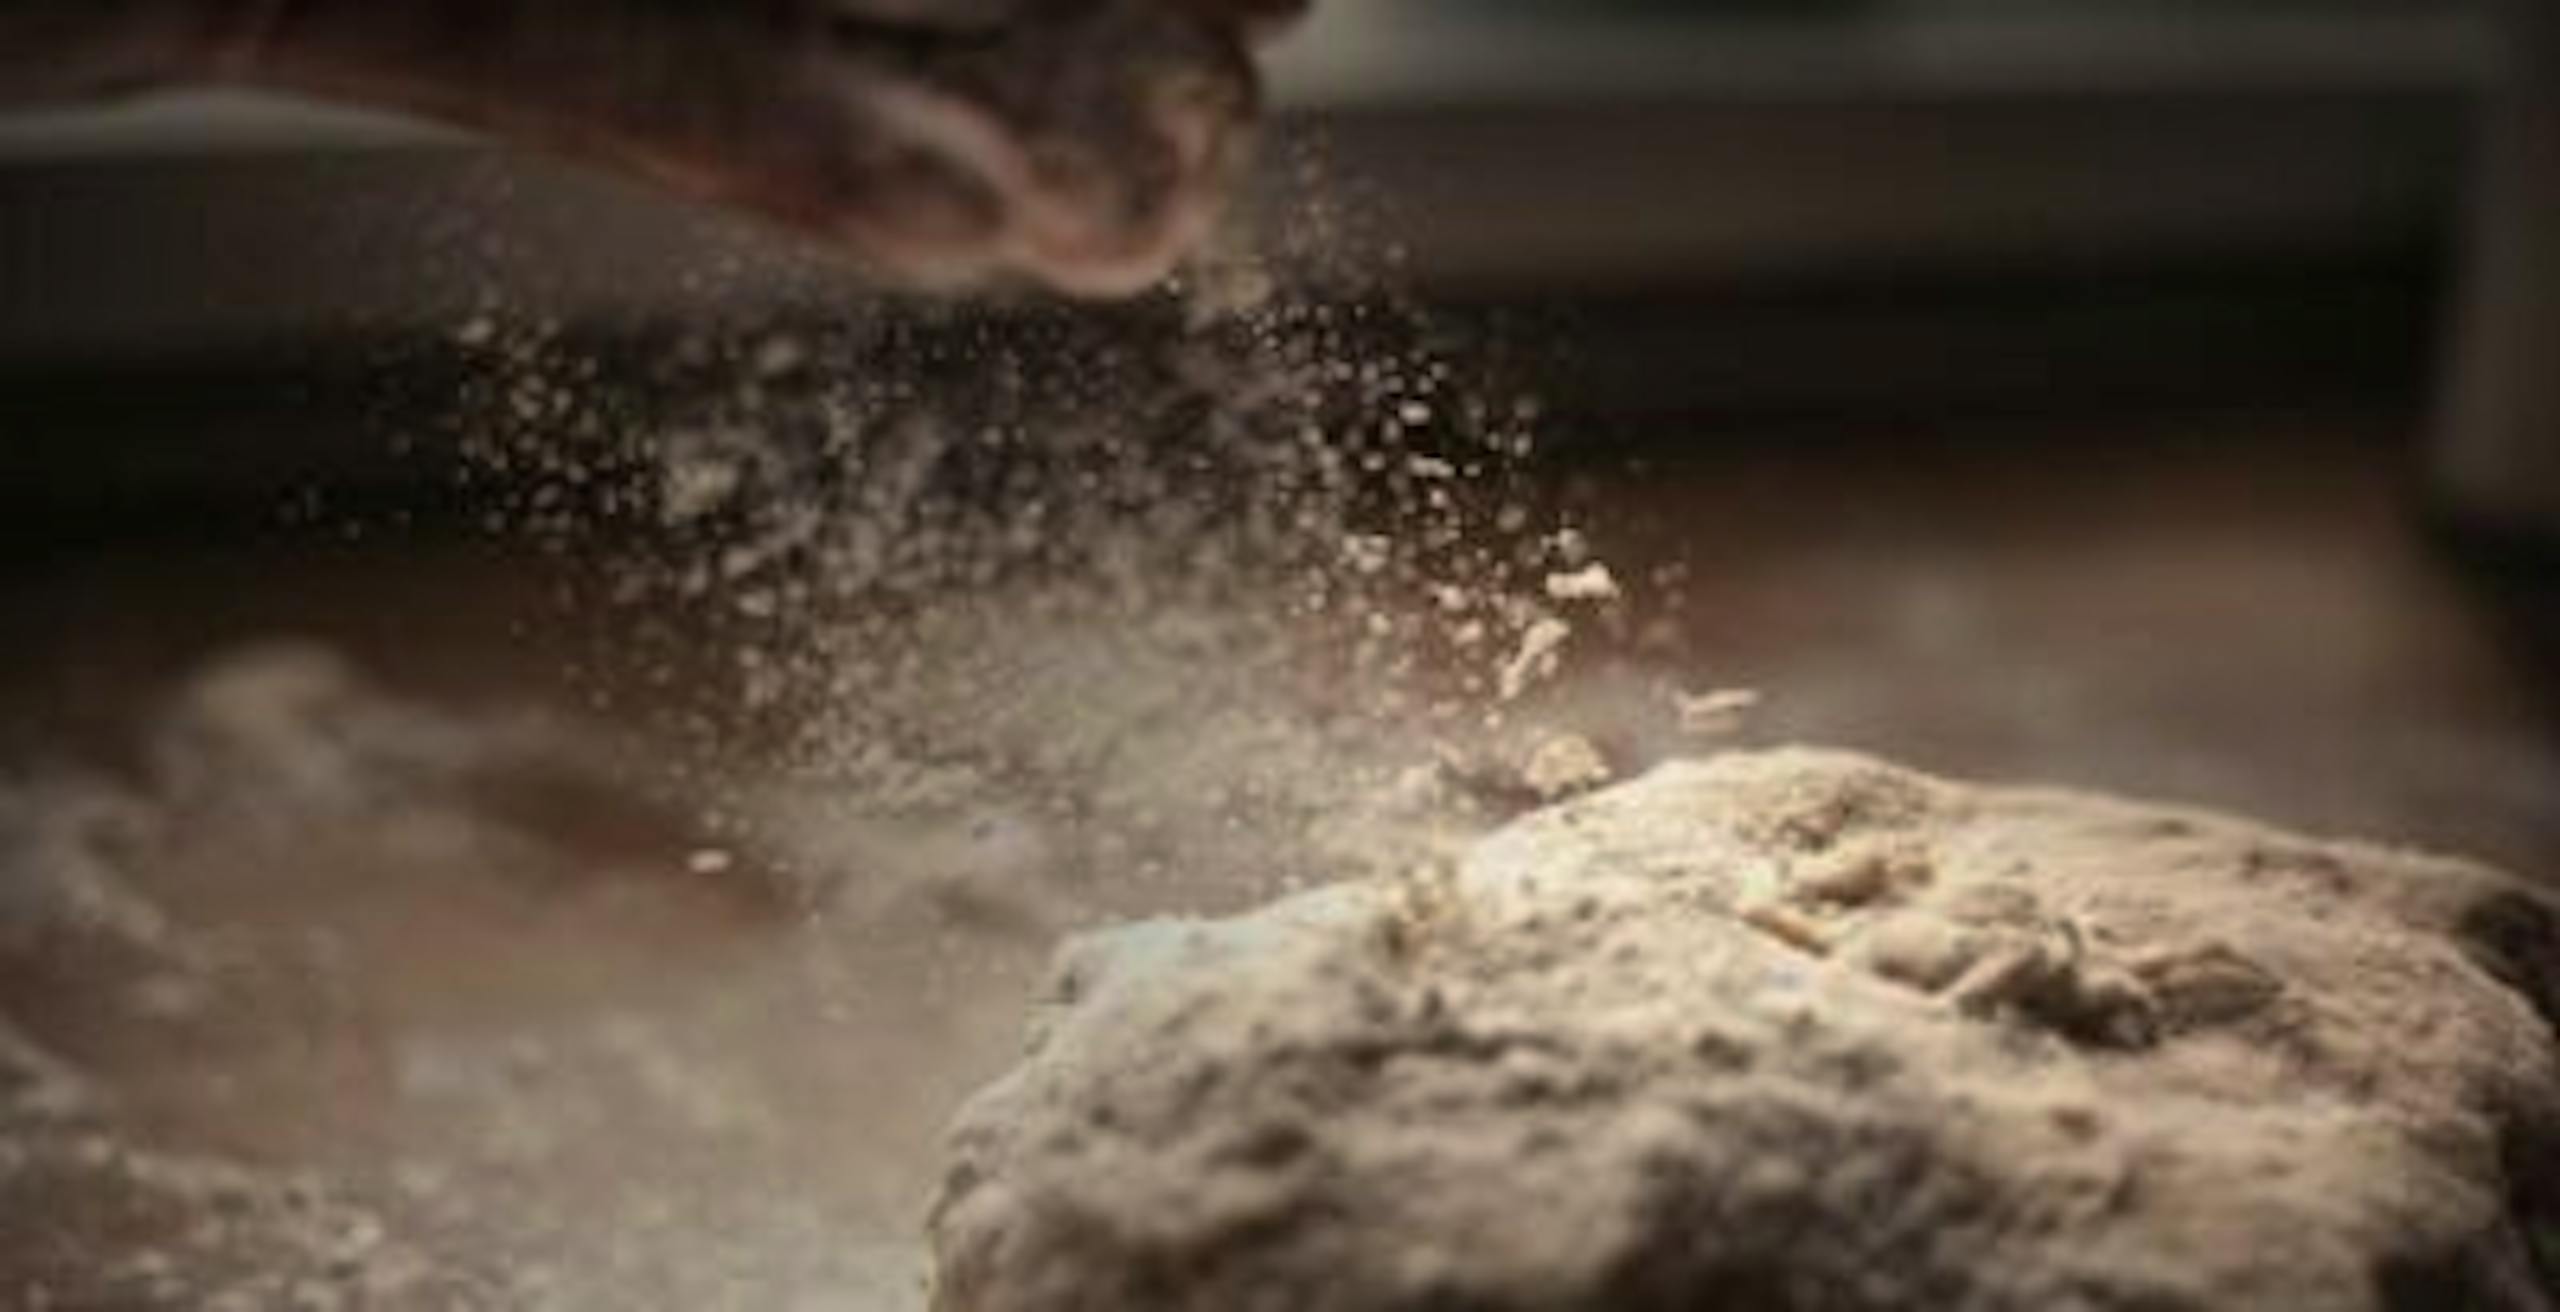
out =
column 1259, row 20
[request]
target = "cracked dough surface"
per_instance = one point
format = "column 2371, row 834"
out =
column 1796, row 1030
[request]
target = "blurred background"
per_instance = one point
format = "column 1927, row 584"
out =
column 1767, row 210
column 2151, row 395
column 2049, row 287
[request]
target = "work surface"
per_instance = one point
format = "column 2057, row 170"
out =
column 529, row 1035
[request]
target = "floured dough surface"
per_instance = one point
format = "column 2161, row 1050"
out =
column 1796, row 1030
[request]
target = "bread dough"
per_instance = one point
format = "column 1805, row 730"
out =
column 1796, row 1030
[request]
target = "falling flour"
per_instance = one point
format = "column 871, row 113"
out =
column 1194, row 579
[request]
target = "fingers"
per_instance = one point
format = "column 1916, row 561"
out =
column 1081, row 143
column 1259, row 20
column 1252, row 19
column 1105, row 130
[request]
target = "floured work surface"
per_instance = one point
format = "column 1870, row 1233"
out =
column 1796, row 1030
column 323, row 994
column 337, row 998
